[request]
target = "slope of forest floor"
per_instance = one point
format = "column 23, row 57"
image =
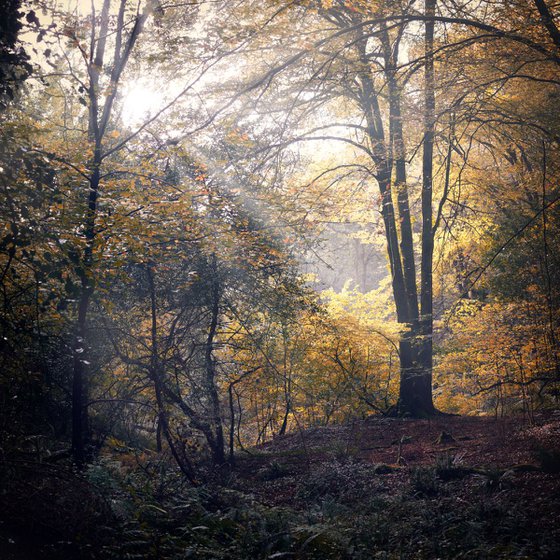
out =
column 451, row 487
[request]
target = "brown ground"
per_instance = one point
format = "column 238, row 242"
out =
column 503, row 446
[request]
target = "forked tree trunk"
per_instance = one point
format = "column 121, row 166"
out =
column 389, row 157
column 416, row 347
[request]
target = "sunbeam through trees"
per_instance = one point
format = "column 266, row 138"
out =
column 279, row 279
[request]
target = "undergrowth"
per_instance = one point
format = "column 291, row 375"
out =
column 342, row 509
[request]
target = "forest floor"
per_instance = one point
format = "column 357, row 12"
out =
column 449, row 487
column 396, row 448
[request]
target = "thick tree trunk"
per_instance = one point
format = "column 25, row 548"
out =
column 415, row 349
column 415, row 394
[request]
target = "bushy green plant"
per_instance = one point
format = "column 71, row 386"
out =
column 424, row 481
column 346, row 481
column 450, row 466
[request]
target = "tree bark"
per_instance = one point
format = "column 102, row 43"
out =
column 397, row 143
column 389, row 157
column 415, row 394
column 382, row 158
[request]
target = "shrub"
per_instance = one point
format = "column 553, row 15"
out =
column 346, row 481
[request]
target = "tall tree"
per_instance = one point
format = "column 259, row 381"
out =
column 104, row 72
column 357, row 60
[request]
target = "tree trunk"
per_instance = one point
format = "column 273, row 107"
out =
column 217, row 445
column 384, row 163
column 231, row 425
column 97, row 128
column 415, row 392
column 397, row 147
column 415, row 347
column 79, row 409
column 80, row 384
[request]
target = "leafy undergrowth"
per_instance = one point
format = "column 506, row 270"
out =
column 382, row 488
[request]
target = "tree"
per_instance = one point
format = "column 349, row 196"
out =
column 361, row 62
column 100, row 107
column 14, row 60
column 356, row 62
column 95, row 53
